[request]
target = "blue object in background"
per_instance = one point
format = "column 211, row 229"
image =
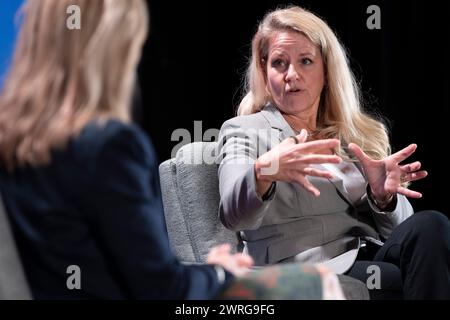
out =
column 8, row 32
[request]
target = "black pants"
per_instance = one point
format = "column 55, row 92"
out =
column 414, row 262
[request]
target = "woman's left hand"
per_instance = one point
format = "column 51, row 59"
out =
column 386, row 176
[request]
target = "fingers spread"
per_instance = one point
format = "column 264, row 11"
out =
column 409, row 193
column 404, row 153
column 411, row 167
column 358, row 152
column 302, row 136
column 318, row 173
column 318, row 158
column 302, row 180
column 414, row 176
column 312, row 146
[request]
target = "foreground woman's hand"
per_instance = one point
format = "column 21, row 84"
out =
column 386, row 176
column 238, row 263
column 291, row 162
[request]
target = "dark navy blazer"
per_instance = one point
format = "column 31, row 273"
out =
column 98, row 206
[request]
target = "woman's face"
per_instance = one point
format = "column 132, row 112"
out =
column 295, row 73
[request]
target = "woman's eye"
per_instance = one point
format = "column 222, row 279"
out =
column 306, row 61
column 278, row 63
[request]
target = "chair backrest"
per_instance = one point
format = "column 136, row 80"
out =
column 190, row 191
column 13, row 283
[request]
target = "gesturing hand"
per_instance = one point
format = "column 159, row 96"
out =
column 386, row 176
column 292, row 162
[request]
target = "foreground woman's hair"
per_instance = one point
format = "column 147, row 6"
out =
column 54, row 88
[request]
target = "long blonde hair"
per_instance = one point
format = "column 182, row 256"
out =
column 340, row 113
column 61, row 79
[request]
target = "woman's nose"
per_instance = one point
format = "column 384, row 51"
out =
column 292, row 73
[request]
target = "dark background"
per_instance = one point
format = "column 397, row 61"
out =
column 196, row 55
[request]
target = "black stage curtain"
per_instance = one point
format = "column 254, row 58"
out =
column 196, row 56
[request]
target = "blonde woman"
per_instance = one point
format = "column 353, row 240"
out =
column 306, row 175
column 78, row 180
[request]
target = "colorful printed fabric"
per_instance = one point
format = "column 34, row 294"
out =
column 291, row 281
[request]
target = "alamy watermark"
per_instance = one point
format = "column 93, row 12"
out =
column 73, row 281
column 233, row 146
column 73, row 21
column 374, row 280
column 374, row 20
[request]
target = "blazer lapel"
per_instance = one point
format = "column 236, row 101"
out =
column 337, row 183
column 276, row 121
column 340, row 190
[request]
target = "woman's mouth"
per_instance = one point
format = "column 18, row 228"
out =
column 294, row 91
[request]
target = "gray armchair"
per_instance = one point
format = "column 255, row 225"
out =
column 190, row 190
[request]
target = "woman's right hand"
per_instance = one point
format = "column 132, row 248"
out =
column 290, row 162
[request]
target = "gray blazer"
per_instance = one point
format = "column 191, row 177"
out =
column 292, row 224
